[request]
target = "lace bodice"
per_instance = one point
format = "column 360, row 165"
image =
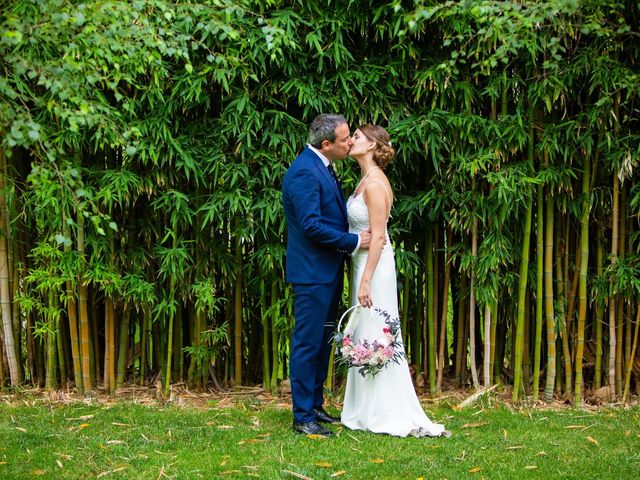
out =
column 358, row 214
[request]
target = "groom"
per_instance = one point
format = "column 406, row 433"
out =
column 318, row 242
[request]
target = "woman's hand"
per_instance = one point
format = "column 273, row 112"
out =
column 364, row 294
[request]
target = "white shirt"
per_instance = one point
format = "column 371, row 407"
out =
column 326, row 162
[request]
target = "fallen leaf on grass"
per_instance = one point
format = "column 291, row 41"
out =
column 572, row 427
column 530, row 467
column 83, row 417
column 3, row 463
column 23, row 430
column 376, row 460
column 252, row 440
column 250, row 467
column 315, row 436
column 225, row 427
column 539, row 454
column 39, row 472
column 59, row 463
column 118, row 424
column 515, row 447
column 230, row 472
column 475, row 470
column 297, row 475
column 114, row 442
column 224, row 460
column 338, row 473
column 322, row 464
column 505, row 433
column 83, row 425
column 593, row 440
column 474, row 425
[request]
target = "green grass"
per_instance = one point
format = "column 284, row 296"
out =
column 128, row 440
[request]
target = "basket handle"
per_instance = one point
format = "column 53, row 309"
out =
column 345, row 314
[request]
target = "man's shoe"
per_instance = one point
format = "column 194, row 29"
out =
column 323, row 416
column 312, row 428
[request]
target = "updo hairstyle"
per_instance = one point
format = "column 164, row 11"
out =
column 383, row 152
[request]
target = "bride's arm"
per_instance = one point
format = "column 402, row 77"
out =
column 376, row 199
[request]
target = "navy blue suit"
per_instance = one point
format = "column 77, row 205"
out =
column 318, row 242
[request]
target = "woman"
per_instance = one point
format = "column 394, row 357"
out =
column 386, row 402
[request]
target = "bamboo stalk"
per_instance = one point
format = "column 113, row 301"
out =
column 486, row 367
column 430, row 359
column 472, row 306
column 612, row 300
column 266, row 363
column 584, row 261
column 523, row 276
column 406, row 302
column 72, row 314
column 275, row 339
column 564, row 336
column 5, row 292
column 597, row 377
column 237, row 331
column 144, row 344
column 123, row 349
column 51, row 381
column 494, row 364
column 461, row 338
column 627, row 380
column 548, row 297
column 539, row 291
column 418, row 323
column 83, row 313
column 445, row 310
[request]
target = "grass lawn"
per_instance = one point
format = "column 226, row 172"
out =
column 126, row 439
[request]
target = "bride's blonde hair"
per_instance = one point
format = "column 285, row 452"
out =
column 384, row 152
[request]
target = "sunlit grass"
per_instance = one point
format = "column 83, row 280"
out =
column 128, row 440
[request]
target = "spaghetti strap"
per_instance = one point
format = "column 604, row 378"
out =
column 385, row 189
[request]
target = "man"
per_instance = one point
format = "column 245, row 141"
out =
column 318, row 242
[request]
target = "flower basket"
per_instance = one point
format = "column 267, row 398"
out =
column 368, row 355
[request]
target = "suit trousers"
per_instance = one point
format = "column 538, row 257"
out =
column 315, row 310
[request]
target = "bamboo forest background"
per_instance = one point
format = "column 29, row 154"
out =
column 143, row 146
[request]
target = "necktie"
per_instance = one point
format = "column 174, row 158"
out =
column 334, row 175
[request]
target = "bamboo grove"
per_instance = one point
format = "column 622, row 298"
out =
column 143, row 146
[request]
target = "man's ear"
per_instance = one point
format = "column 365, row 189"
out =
column 325, row 144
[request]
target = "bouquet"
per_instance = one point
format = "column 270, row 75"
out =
column 369, row 356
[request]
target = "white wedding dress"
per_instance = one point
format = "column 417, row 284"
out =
column 387, row 402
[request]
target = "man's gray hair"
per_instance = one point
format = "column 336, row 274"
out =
column 324, row 128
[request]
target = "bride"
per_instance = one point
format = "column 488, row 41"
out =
column 386, row 402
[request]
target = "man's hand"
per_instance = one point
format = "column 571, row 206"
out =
column 365, row 239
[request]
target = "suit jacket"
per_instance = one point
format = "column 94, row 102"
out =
column 316, row 212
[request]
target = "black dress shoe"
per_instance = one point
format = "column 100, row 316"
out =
column 312, row 428
column 323, row 416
